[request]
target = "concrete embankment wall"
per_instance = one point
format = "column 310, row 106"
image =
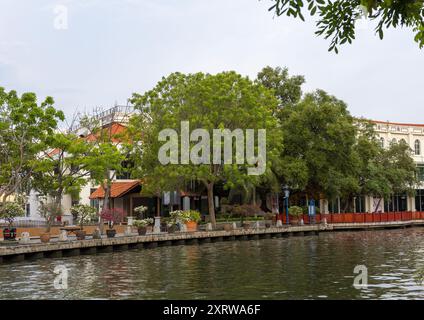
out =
column 20, row 252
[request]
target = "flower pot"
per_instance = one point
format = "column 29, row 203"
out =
column 9, row 234
column 228, row 227
column 110, row 233
column 191, row 226
column 97, row 234
column 45, row 237
column 294, row 221
column 172, row 229
column 142, row 231
column 80, row 234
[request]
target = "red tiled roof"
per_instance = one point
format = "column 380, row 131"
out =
column 189, row 194
column 118, row 189
column 114, row 130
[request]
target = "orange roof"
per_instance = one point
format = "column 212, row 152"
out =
column 189, row 194
column 118, row 189
column 114, row 130
column 53, row 152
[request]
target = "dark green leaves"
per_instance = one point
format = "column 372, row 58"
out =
column 337, row 18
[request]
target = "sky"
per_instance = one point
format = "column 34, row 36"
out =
column 95, row 53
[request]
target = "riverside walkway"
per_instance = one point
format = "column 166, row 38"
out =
column 20, row 252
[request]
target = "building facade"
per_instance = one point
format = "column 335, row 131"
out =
column 390, row 132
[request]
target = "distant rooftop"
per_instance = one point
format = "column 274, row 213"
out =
column 397, row 123
column 117, row 114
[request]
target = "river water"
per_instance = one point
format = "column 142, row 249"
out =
column 312, row 267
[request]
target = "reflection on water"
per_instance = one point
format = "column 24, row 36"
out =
column 316, row 267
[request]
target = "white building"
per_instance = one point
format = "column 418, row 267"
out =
column 115, row 118
column 388, row 132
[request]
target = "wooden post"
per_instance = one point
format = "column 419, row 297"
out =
column 130, row 213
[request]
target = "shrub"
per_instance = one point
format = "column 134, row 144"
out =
column 113, row 216
column 269, row 216
column 185, row 216
column 50, row 211
column 246, row 210
column 84, row 214
column 10, row 210
column 295, row 211
column 143, row 222
column 140, row 210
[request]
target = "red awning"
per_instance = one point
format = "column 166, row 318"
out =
column 118, row 189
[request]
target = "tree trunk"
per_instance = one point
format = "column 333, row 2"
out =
column 158, row 206
column 211, row 206
column 106, row 205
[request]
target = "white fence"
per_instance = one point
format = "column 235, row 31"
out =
column 35, row 222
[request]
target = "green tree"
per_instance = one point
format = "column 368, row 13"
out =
column 319, row 135
column 337, row 18
column 64, row 168
column 105, row 155
column 25, row 126
column 287, row 89
column 222, row 101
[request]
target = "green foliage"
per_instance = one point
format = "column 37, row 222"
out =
column 336, row 19
column 10, row 210
column 296, row 211
column 185, row 216
column 105, row 157
column 64, row 167
column 25, row 127
column 288, row 90
column 225, row 100
column 246, row 210
column 319, row 135
column 84, row 213
column 49, row 211
column 143, row 222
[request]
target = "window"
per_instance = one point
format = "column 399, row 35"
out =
column 419, row 200
column 394, row 141
column 417, row 147
column 382, row 142
column 359, row 204
column 396, row 203
column 420, row 172
column 334, row 205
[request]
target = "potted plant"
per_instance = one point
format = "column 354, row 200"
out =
column 296, row 214
column 140, row 210
column 268, row 217
column 142, row 225
column 49, row 211
column 9, row 211
column 112, row 216
column 190, row 218
column 84, row 214
column 244, row 211
column 171, row 224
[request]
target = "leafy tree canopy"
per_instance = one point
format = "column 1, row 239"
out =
column 287, row 89
column 25, row 127
column 336, row 19
column 222, row 101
